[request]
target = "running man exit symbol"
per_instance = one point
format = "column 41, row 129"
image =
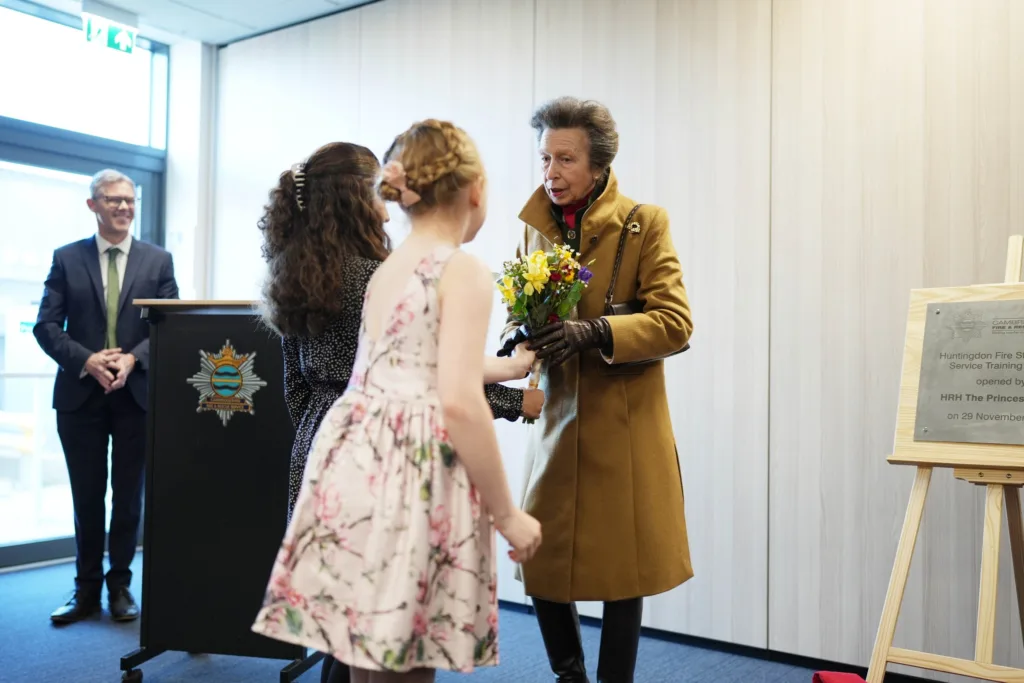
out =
column 120, row 39
column 104, row 32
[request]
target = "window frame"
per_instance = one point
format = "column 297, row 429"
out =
column 24, row 142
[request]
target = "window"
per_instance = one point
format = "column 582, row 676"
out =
column 34, row 493
column 68, row 109
column 54, row 77
column 35, row 497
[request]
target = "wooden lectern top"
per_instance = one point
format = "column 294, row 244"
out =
column 158, row 309
column 193, row 303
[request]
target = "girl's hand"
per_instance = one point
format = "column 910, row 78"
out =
column 522, row 533
column 533, row 401
column 524, row 359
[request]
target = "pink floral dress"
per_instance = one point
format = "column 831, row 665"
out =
column 388, row 561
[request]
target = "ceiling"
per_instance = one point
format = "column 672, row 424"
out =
column 213, row 21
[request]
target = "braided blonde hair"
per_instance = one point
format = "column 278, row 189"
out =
column 440, row 160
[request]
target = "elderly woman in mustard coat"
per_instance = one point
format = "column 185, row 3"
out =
column 603, row 475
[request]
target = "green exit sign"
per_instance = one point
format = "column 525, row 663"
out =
column 111, row 34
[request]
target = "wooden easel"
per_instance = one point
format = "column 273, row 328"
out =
column 1000, row 468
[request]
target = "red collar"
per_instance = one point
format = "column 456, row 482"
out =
column 569, row 211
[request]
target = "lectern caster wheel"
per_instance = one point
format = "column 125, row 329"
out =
column 132, row 676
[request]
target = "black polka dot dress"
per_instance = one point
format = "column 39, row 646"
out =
column 317, row 370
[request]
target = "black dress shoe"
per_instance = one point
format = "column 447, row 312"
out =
column 122, row 604
column 81, row 605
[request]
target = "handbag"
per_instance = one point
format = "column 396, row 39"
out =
column 634, row 305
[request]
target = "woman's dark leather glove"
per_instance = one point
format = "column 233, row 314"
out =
column 559, row 341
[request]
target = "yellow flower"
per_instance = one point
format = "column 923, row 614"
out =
column 537, row 272
column 569, row 276
column 537, row 259
column 507, row 287
column 534, row 286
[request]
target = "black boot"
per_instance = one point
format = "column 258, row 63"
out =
column 620, row 638
column 560, row 628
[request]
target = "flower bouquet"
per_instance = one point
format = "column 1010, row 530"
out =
column 541, row 288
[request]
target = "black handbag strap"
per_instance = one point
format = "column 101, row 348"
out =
column 618, row 255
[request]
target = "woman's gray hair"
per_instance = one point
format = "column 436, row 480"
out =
column 591, row 117
column 107, row 176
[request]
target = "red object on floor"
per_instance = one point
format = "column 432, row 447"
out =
column 833, row 677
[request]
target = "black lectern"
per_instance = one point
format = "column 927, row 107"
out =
column 216, row 493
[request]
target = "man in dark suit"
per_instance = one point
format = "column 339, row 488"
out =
column 88, row 325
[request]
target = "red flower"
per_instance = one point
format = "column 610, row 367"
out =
column 552, row 318
column 440, row 529
column 403, row 316
column 295, row 598
column 421, row 594
column 440, row 433
column 474, row 502
column 419, row 624
column 281, row 586
column 398, row 424
column 328, row 502
column 555, row 276
column 439, row 632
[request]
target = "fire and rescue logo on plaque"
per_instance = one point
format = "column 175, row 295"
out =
column 226, row 382
column 968, row 324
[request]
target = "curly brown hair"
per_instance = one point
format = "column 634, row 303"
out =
column 309, row 233
column 440, row 159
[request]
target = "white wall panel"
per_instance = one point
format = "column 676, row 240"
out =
column 281, row 96
column 897, row 132
column 688, row 84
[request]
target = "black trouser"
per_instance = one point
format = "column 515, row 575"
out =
column 334, row 671
column 620, row 638
column 85, row 434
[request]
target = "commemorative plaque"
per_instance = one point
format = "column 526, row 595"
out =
column 972, row 373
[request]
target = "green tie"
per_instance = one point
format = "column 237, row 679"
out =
column 113, row 294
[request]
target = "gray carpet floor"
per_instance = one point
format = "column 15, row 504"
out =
column 32, row 650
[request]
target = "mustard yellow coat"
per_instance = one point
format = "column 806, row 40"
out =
column 603, row 474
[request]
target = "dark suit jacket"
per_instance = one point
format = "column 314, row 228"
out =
column 72, row 320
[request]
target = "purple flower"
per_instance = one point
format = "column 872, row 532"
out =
column 585, row 274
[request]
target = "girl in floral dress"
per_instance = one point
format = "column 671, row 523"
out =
column 388, row 561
